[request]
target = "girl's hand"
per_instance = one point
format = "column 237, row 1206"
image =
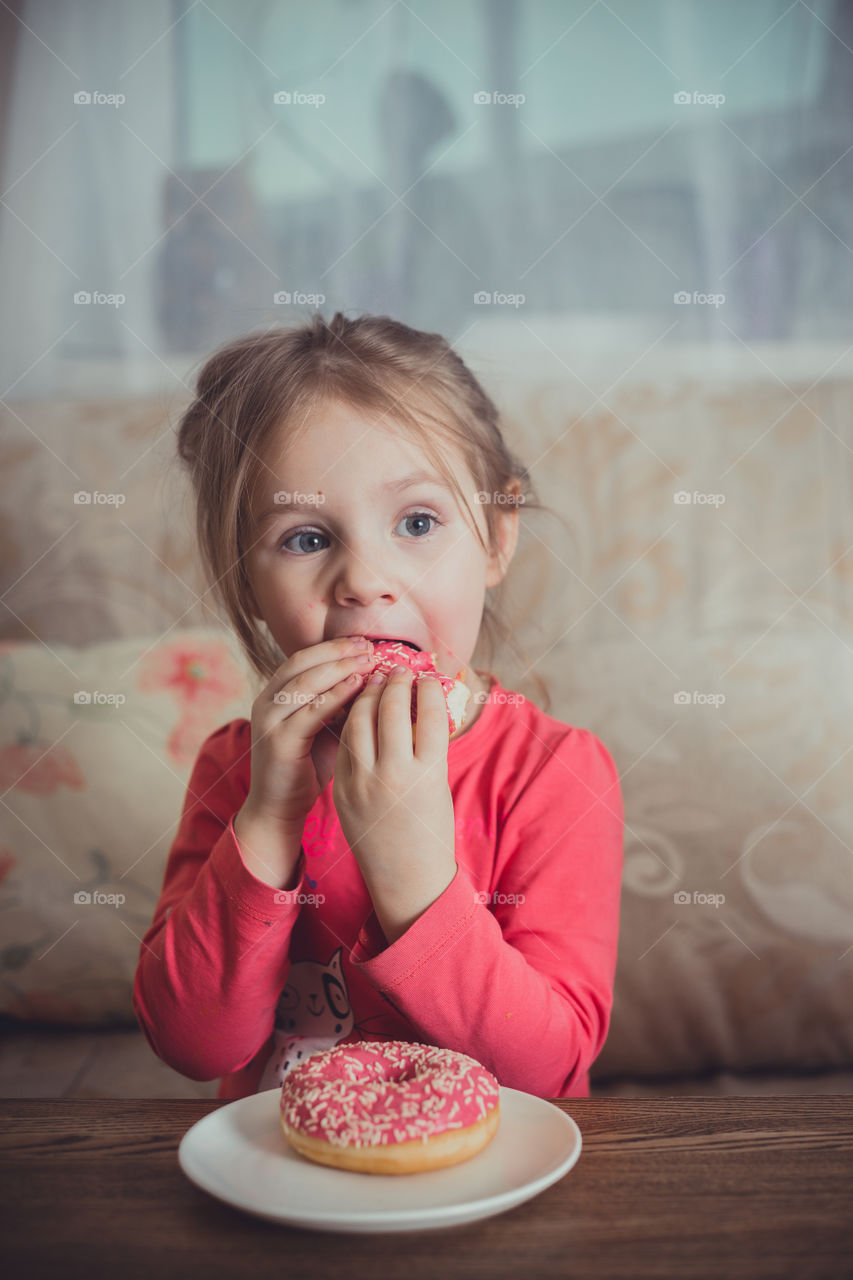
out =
column 393, row 800
column 307, row 691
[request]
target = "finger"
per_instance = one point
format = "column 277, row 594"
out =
column 359, row 733
column 306, row 710
column 432, row 729
column 394, row 722
column 333, row 706
column 325, row 657
column 300, row 687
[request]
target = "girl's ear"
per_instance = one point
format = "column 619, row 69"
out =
column 507, row 536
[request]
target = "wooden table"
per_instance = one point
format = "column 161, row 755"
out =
column 717, row 1187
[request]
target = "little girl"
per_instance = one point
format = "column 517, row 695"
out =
column 333, row 884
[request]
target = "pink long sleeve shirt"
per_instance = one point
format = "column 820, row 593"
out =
column 513, row 963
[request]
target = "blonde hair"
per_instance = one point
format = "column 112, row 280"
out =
column 262, row 386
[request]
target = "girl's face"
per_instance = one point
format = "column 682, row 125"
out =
column 362, row 553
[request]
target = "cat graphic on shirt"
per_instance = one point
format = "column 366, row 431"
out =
column 313, row 1013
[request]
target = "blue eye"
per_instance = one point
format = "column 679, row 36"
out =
column 300, row 533
column 422, row 515
column 315, row 533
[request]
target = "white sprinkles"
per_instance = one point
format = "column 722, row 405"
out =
column 378, row 1093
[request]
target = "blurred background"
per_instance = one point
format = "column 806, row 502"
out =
column 635, row 221
column 203, row 160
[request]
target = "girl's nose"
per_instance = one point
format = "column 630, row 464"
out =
column 361, row 578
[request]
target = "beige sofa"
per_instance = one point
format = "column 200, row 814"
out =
column 707, row 642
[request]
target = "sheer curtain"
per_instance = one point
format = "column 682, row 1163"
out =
column 523, row 174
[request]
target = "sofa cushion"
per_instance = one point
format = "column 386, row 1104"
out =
column 736, row 929
column 96, row 749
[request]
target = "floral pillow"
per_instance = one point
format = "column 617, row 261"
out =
column 96, row 749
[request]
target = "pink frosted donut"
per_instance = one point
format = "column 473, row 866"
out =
column 390, row 653
column 389, row 1107
column 456, row 693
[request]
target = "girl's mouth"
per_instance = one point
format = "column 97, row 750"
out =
column 394, row 640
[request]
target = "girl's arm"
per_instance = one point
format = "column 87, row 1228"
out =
column 516, row 967
column 213, row 962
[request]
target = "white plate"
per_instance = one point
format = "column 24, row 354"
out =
column 240, row 1155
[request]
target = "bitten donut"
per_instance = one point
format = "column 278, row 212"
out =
column 390, row 653
column 389, row 1107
